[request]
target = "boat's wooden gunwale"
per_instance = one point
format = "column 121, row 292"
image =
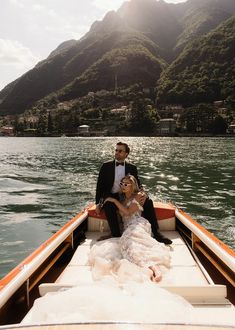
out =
column 218, row 246
column 20, row 274
column 217, row 253
column 217, row 258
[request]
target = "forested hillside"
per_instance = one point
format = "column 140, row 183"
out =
column 183, row 43
column 204, row 72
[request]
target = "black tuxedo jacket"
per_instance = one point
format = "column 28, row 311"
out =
column 106, row 178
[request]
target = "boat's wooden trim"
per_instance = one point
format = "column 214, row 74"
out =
column 215, row 263
column 218, row 245
column 31, row 270
column 48, row 267
column 13, row 281
column 218, row 253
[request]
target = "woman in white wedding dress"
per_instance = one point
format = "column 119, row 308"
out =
column 136, row 244
column 121, row 290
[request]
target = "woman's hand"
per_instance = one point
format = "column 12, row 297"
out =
column 141, row 197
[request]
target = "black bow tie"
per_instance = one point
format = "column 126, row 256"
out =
column 122, row 163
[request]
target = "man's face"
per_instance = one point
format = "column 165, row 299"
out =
column 120, row 153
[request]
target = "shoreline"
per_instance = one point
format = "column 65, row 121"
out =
column 122, row 135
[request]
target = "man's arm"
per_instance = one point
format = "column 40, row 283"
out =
column 134, row 172
column 99, row 185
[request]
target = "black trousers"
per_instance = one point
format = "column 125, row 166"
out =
column 150, row 215
column 110, row 210
column 112, row 217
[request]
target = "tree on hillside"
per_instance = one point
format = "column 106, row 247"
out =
column 144, row 116
column 42, row 124
column 50, row 125
column 198, row 118
column 219, row 125
column 117, row 67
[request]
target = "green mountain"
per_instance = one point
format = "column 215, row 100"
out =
column 132, row 59
column 205, row 70
column 136, row 44
column 201, row 17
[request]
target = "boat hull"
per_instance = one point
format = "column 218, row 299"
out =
column 20, row 287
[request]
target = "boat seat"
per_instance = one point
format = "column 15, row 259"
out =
column 201, row 294
column 195, row 295
column 184, row 269
column 184, row 276
column 45, row 288
column 75, row 275
column 165, row 214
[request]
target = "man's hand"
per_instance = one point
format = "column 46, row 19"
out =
column 110, row 199
column 141, row 197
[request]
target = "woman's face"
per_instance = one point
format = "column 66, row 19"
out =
column 126, row 185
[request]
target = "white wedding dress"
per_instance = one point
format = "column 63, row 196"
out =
column 136, row 249
column 121, row 290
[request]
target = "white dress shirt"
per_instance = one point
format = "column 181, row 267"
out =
column 119, row 174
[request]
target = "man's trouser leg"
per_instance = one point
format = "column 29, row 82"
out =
column 111, row 213
column 149, row 214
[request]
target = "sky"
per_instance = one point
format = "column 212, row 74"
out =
column 31, row 29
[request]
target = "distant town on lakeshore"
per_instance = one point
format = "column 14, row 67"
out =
column 150, row 68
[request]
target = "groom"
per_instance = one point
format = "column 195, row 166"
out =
column 109, row 178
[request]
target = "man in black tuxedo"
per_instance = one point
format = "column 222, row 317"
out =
column 108, row 181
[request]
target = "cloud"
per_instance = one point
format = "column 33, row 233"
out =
column 17, row 3
column 107, row 4
column 14, row 53
column 15, row 59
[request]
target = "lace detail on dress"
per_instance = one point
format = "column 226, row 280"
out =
column 135, row 245
column 136, row 242
column 127, row 219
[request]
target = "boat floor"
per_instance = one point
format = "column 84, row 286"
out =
column 184, row 269
column 186, row 277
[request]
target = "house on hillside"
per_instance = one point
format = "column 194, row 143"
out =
column 171, row 111
column 218, row 104
column 167, row 126
column 7, row 130
column 122, row 112
column 231, row 129
column 84, row 130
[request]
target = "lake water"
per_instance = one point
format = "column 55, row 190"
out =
column 46, row 181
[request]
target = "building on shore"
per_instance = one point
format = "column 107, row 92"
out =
column 7, row 130
column 231, row 129
column 84, row 130
column 171, row 111
column 167, row 126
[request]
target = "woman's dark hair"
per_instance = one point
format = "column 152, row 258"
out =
column 127, row 149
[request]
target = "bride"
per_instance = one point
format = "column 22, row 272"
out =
column 123, row 267
column 136, row 244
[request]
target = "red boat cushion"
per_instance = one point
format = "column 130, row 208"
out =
column 163, row 211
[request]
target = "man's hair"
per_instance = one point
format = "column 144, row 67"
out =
column 127, row 149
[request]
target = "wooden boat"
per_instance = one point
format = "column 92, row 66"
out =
column 203, row 270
